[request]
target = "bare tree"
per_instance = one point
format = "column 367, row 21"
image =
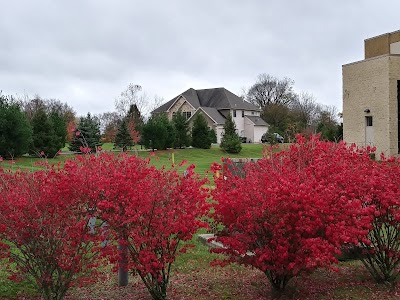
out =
column 109, row 119
column 109, row 123
column 329, row 113
column 132, row 95
column 271, row 90
column 306, row 109
column 156, row 102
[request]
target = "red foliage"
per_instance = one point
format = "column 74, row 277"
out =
column 147, row 209
column 381, row 191
column 109, row 133
column 132, row 131
column 44, row 230
column 70, row 130
column 292, row 211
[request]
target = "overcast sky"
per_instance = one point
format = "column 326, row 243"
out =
column 86, row 53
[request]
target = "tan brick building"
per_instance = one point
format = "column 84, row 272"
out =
column 371, row 95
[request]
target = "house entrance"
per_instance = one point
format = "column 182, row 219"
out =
column 369, row 131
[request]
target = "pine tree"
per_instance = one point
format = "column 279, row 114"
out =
column 155, row 133
column 45, row 140
column 200, row 133
column 86, row 135
column 15, row 129
column 213, row 136
column 230, row 142
column 135, row 116
column 60, row 129
column 123, row 138
column 181, row 130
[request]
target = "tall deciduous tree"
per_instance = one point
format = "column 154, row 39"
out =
column 15, row 130
column 109, row 123
column 271, row 90
column 132, row 95
column 230, row 142
column 181, row 129
column 200, row 133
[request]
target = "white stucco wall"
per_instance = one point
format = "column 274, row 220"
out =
column 249, row 129
column 239, row 121
column 258, row 133
column 219, row 130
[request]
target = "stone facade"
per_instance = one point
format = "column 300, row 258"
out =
column 370, row 96
column 181, row 104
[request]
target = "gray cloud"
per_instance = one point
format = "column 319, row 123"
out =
column 86, row 52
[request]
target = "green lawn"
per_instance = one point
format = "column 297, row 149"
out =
column 201, row 158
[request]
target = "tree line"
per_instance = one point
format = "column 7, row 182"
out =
column 41, row 127
column 36, row 126
column 289, row 113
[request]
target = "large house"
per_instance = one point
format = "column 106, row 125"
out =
column 215, row 105
column 371, row 96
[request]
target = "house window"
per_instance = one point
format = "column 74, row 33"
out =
column 242, row 113
column 234, row 113
column 187, row 114
column 368, row 120
column 252, row 113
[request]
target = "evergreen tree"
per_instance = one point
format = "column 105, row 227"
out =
column 230, row 142
column 328, row 127
column 60, row 128
column 123, row 138
column 158, row 132
column 15, row 130
column 181, row 130
column 45, row 140
column 87, row 134
column 200, row 133
column 213, row 136
column 135, row 116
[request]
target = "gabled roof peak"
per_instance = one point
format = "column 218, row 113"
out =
column 219, row 98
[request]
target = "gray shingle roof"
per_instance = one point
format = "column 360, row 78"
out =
column 214, row 114
column 219, row 98
column 257, row 120
column 222, row 98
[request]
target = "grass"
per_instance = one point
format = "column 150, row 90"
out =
column 13, row 290
column 201, row 158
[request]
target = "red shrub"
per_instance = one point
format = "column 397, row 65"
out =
column 44, row 230
column 381, row 247
column 147, row 209
column 291, row 212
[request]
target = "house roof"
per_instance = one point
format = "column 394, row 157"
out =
column 257, row 121
column 214, row 114
column 219, row 98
